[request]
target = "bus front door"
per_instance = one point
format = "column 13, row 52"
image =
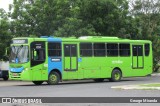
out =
column 70, row 57
column 137, row 56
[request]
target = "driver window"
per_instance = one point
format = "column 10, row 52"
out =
column 38, row 54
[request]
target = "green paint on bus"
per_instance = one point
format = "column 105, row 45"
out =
column 53, row 59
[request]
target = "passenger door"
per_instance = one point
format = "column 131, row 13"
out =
column 70, row 57
column 137, row 56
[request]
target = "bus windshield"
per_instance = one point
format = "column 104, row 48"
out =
column 19, row 54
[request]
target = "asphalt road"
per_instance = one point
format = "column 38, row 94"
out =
column 81, row 88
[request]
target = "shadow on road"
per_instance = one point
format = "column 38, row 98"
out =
column 74, row 82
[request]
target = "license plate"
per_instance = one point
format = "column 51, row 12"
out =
column 15, row 74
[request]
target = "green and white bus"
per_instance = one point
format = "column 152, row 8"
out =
column 53, row 59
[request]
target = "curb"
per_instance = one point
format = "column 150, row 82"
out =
column 136, row 87
column 155, row 74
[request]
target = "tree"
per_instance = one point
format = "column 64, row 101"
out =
column 108, row 17
column 5, row 36
column 47, row 17
column 70, row 17
column 74, row 25
column 149, row 13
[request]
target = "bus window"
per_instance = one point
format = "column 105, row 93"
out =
column 124, row 49
column 73, row 50
column 147, row 49
column 112, row 49
column 99, row 49
column 37, row 53
column 54, row 49
column 67, row 51
column 140, row 50
column 134, row 50
column 137, row 50
column 86, row 49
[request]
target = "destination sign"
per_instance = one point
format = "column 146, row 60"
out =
column 19, row 41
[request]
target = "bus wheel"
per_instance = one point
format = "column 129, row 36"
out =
column 116, row 75
column 37, row 82
column 99, row 80
column 53, row 78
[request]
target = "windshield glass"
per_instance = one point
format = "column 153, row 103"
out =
column 19, row 54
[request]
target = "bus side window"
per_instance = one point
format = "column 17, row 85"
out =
column 112, row 49
column 124, row 49
column 147, row 49
column 86, row 49
column 99, row 49
column 54, row 49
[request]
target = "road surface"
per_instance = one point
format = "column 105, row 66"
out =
column 80, row 88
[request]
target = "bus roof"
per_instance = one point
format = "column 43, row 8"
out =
column 101, row 39
column 84, row 39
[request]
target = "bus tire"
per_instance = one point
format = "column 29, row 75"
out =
column 37, row 82
column 53, row 78
column 116, row 75
column 99, row 80
column 5, row 78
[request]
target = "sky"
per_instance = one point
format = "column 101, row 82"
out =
column 5, row 4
